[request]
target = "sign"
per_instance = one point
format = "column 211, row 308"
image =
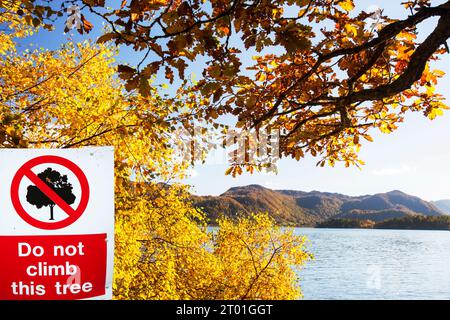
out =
column 26, row 171
column 56, row 223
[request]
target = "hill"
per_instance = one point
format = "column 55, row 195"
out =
column 443, row 205
column 291, row 207
column 254, row 198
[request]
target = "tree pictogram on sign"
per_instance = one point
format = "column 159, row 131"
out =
column 58, row 183
column 50, row 188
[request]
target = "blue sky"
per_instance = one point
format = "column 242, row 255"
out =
column 414, row 159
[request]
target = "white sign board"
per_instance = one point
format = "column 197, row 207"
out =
column 56, row 223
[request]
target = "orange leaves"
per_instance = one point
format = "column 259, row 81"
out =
column 318, row 89
column 430, row 78
column 407, row 36
column 225, row 30
column 234, row 171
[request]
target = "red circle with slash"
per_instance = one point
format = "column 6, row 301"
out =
column 26, row 171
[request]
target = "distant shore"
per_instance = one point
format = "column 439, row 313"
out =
column 414, row 222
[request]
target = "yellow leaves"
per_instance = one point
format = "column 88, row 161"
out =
column 436, row 109
column 81, row 102
column 351, row 29
column 385, row 128
column 134, row 16
column 15, row 26
column 438, row 73
column 407, row 36
column 261, row 77
column 430, row 90
column 10, row 131
column 274, row 64
column 277, row 12
column 160, row 245
column 430, row 78
column 346, row 5
column 291, row 144
column 434, row 113
column 256, row 256
column 228, row 171
column 6, row 44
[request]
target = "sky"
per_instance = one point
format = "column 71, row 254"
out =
column 414, row 159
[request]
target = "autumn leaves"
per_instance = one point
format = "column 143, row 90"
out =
column 325, row 74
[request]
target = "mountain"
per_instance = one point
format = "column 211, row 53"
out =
column 254, row 198
column 383, row 206
column 444, row 205
column 291, row 207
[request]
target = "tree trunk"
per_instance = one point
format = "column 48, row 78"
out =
column 51, row 212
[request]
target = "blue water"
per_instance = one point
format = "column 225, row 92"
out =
column 376, row 264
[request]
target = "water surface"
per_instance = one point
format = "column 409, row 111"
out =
column 376, row 264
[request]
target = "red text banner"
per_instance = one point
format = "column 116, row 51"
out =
column 52, row 267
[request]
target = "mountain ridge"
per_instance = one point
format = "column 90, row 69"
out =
column 443, row 205
column 306, row 208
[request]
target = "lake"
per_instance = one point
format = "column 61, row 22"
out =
column 376, row 264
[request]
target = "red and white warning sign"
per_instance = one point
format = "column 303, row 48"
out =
column 56, row 223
